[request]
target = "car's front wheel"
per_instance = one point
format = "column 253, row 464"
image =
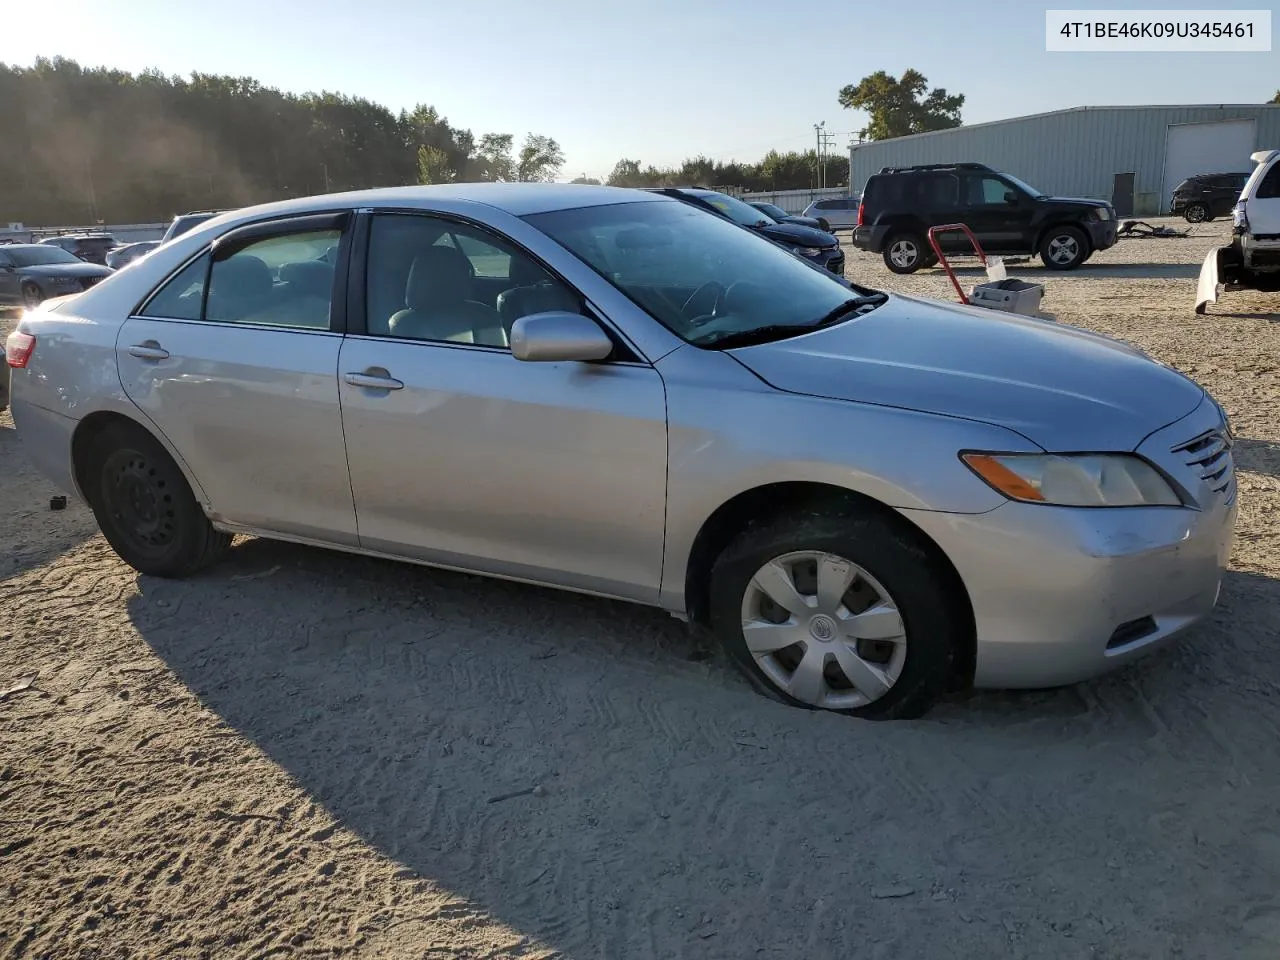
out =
column 145, row 508
column 904, row 253
column 834, row 612
column 32, row 295
column 1064, row 248
column 1196, row 213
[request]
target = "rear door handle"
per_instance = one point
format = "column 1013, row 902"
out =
column 148, row 351
column 372, row 381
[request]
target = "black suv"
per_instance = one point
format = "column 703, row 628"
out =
column 900, row 204
column 815, row 246
column 1207, row 195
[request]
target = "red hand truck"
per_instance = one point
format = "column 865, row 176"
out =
column 977, row 247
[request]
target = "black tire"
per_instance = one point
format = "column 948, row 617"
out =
column 32, row 295
column 904, row 253
column 1052, row 242
column 915, row 580
column 145, row 508
column 1196, row 213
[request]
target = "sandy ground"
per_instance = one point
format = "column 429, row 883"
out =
column 299, row 754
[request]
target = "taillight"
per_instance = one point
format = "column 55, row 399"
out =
column 18, row 348
column 861, row 207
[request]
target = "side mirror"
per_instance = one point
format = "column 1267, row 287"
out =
column 558, row 336
column 1011, row 198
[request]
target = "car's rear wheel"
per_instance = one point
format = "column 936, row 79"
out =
column 1196, row 213
column 904, row 253
column 32, row 295
column 833, row 612
column 145, row 508
column 1064, row 248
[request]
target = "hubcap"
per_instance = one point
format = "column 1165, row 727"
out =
column 1063, row 249
column 140, row 501
column 1196, row 213
column 823, row 630
column 903, row 253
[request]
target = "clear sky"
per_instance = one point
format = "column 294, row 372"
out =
column 655, row 82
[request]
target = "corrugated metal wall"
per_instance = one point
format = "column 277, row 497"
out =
column 1069, row 152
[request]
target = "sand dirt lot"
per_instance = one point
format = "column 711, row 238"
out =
column 299, row 754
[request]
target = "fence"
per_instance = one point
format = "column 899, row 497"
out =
column 125, row 232
column 794, row 201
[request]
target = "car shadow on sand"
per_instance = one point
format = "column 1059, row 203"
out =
column 678, row 805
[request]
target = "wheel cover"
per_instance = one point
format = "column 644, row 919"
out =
column 1064, row 248
column 903, row 253
column 1195, row 213
column 139, row 501
column 823, row 630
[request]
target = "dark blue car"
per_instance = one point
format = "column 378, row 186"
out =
column 818, row 247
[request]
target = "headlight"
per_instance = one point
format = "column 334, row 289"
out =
column 1075, row 480
column 1102, row 212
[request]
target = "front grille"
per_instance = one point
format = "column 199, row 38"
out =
column 87, row 282
column 1210, row 456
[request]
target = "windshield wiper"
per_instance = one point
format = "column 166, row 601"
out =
column 780, row 331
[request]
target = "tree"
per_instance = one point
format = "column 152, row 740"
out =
column 492, row 159
column 901, row 107
column 1276, row 98
column 540, row 159
column 433, row 166
column 626, row 173
column 591, row 181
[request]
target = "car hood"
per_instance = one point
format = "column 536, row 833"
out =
column 803, row 222
column 66, row 270
column 795, row 234
column 1076, row 201
column 1063, row 388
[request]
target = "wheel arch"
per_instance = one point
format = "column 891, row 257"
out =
column 762, row 503
column 92, row 426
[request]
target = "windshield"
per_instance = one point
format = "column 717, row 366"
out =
column 35, row 256
column 701, row 277
column 1023, row 185
column 776, row 212
column 182, row 224
column 736, row 210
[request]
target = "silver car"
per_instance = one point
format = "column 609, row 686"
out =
column 840, row 212
column 869, row 498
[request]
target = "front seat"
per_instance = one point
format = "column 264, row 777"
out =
column 439, row 307
column 242, row 285
column 533, row 293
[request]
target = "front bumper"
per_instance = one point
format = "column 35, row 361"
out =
column 1102, row 233
column 1060, row 595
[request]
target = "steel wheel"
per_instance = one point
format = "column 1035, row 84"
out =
column 1195, row 213
column 139, row 501
column 823, row 630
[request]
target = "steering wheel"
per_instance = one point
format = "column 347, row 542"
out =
column 692, row 309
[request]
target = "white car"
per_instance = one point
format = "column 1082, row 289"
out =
column 1252, row 260
column 840, row 212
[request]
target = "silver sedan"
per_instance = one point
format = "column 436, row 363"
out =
column 869, row 498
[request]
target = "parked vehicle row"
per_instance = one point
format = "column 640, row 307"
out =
column 815, row 246
column 869, row 498
column 31, row 273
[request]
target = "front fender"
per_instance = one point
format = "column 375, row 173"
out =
column 729, row 432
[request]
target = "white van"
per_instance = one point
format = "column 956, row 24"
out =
column 1252, row 260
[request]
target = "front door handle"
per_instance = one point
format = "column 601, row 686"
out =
column 373, row 381
column 150, row 350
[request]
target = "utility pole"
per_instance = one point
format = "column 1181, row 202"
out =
column 819, row 168
column 828, row 140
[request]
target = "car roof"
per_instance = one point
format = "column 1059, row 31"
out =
column 23, row 246
column 517, row 199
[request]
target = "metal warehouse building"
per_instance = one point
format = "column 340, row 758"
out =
column 1134, row 156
